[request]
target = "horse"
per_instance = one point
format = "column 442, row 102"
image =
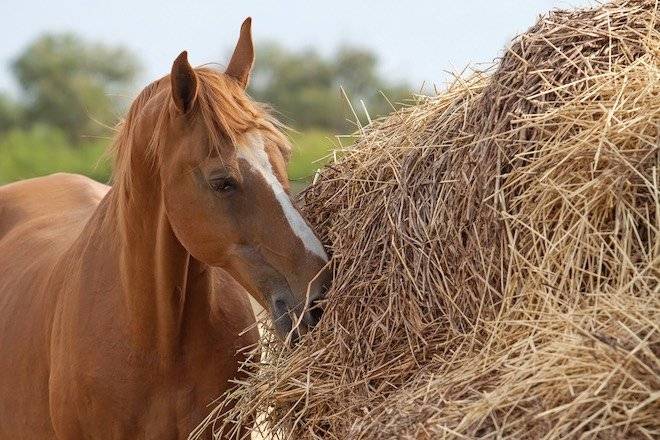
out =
column 124, row 310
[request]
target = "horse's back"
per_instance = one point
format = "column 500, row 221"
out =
column 39, row 219
column 47, row 197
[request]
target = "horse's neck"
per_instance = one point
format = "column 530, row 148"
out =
column 155, row 270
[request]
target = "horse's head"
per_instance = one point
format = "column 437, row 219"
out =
column 222, row 164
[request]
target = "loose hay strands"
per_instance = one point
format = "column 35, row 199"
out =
column 496, row 252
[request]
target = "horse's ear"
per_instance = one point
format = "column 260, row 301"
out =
column 242, row 60
column 184, row 83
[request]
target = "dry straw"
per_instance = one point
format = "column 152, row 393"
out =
column 497, row 255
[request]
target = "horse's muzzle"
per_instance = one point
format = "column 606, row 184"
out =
column 293, row 317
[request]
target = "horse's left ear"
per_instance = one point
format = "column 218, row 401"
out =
column 242, row 60
column 184, row 83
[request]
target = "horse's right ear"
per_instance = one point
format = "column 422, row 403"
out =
column 184, row 83
column 240, row 64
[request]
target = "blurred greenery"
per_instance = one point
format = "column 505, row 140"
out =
column 72, row 84
column 10, row 113
column 311, row 149
column 70, row 91
column 304, row 86
column 42, row 150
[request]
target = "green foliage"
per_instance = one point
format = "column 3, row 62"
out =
column 310, row 151
column 43, row 150
column 304, row 87
column 72, row 84
column 10, row 113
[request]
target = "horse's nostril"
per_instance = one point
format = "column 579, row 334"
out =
column 280, row 307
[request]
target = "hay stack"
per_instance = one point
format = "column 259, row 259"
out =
column 497, row 255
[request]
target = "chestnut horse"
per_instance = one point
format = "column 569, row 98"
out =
column 123, row 309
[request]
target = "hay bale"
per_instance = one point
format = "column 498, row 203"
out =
column 497, row 255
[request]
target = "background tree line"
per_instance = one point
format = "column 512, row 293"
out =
column 71, row 92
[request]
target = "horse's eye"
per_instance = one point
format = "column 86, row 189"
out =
column 223, row 184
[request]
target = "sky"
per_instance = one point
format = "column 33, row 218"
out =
column 417, row 41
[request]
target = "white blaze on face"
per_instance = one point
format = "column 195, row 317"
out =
column 254, row 153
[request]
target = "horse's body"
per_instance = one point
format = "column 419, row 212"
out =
column 63, row 333
column 123, row 310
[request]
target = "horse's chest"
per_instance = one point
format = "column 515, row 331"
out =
column 139, row 398
column 104, row 387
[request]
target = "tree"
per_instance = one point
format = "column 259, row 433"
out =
column 305, row 87
column 10, row 113
column 357, row 73
column 72, row 84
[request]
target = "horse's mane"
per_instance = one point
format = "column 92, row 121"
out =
column 222, row 106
